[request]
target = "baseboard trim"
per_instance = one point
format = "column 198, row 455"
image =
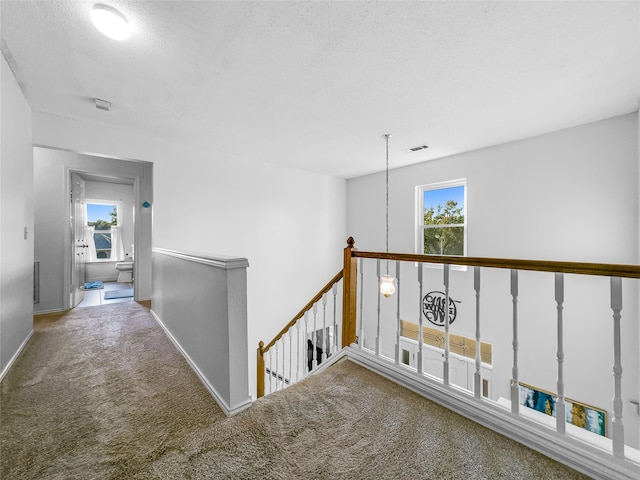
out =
column 145, row 303
column 48, row 312
column 16, row 355
column 580, row 456
column 327, row 363
column 227, row 409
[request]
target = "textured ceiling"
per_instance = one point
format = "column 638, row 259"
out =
column 314, row 85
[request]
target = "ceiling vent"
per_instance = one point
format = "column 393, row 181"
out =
column 421, row 147
column 102, row 104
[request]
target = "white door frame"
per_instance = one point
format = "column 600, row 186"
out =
column 68, row 250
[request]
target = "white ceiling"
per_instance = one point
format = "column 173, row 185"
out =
column 314, row 85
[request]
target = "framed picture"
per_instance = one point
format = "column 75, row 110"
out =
column 586, row 416
column 577, row 413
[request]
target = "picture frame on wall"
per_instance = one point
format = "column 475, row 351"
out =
column 577, row 413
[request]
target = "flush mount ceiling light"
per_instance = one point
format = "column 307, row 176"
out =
column 110, row 22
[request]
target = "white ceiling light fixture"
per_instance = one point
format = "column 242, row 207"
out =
column 110, row 22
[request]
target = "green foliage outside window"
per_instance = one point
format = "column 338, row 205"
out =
column 103, row 224
column 443, row 239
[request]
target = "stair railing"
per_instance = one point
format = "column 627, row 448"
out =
column 308, row 340
column 354, row 325
column 354, row 336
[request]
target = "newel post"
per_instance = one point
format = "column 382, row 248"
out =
column 260, row 390
column 349, row 295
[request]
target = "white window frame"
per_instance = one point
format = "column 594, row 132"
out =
column 419, row 218
column 117, row 204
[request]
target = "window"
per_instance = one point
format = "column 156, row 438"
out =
column 406, row 357
column 102, row 216
column 441, row 218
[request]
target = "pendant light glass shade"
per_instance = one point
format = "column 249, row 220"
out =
column 387, row 288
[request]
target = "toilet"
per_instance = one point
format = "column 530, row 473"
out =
column 126, row 271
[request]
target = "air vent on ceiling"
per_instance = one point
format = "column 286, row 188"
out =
column 103, row 104
column 421, row 147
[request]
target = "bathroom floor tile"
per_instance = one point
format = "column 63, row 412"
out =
column 96, row 297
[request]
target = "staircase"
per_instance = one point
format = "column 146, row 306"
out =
column 503, row 303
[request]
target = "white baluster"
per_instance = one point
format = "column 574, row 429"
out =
column 291, row 381
column 314, row 336
column 617, row 427
column 477, row 375
column 361, row 337
column 280, row 373
column 398, row 325
column 420, row 336
column 276, row 372
column 334, row 291
column 560, row 403
column 284, row 362
column 378, row 339
column 298, row 342
column 270, row 370
column 323, row 355
column 307, row 361
column 445, row 364
column 515, row 389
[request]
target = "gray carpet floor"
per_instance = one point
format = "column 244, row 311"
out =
column 101, row 393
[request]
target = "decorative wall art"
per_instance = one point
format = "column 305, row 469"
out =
column 433, row 308
column 576, row 413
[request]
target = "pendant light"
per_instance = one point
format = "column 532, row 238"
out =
column 387, row 288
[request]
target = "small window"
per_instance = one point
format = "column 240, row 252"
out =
column 441, row 222
column 405, row 357
column 102, row 216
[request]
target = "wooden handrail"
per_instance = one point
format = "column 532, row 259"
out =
column 601, row 269
column 300, row 314
column 262, row 349
column 350, row 269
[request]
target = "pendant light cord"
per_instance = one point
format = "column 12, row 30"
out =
column 386, row 137
column 387, row 185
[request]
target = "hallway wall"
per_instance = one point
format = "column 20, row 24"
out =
column 290, row 224
column 16, row 216
column 570, row 195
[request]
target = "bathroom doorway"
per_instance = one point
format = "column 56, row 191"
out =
column 54, row 233
column 103, row 239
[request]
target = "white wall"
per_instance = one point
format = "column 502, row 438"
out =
column 16, row 214
column 51, row 167
column 570, row 195
column 212, row 332
column 289, row 224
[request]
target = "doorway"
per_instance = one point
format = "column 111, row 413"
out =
column 53, row 212
column 103, row 218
